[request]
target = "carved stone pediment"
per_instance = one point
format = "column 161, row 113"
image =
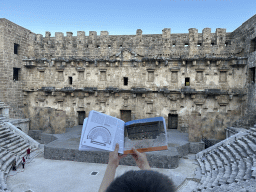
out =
column 127, row 55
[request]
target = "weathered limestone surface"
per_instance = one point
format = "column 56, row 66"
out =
column 47, row 119
column 169, row 75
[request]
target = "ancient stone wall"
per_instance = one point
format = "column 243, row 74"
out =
column 245, row 36
column 11, row 90
column 169, row 75
column 46, row 119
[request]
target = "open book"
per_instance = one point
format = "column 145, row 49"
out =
column 101, row 132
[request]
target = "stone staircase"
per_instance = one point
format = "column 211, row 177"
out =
column 229, row 165
column 12, row 147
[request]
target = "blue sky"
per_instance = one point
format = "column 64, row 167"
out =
column 124, row 17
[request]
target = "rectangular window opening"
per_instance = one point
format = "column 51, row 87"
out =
column 81, row 117
column 173, row 45
column 70, row 80
column 253, row 45
column 186, row 44
column 252, row 75
column 126, row 81
column 125, row 115
column 16, row 48
column 172, row 121
column 109, row 46
column 212, row 44
column 16, row 74
column 198, row 44
column 187, row 82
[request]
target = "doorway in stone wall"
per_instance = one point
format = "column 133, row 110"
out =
column 125, row 115
column 81, row 117
column 172, row 121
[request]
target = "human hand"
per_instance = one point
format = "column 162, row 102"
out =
column 141, row 159
column 114, row 157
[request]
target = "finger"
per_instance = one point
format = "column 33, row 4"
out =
column 135, row 151
column 117, row 147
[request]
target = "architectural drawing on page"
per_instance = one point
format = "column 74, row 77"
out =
column 100, row 131
column 100, row 136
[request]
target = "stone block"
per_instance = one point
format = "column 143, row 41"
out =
column 195, row 147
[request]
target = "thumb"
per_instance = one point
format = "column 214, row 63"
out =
column 117, row 147
column 135, row 151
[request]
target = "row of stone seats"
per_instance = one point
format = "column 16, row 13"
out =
column 11, row 147
column 230, row 161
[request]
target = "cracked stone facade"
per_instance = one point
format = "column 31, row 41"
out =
column 189, row 77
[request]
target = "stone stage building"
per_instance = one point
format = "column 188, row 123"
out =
column 200, row 83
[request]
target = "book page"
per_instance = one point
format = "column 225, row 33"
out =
column 145, row 135
column 120, row 137
column 84, row 147
column 102, row 132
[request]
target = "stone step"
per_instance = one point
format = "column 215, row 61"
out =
column 214, row 175
column 9, row 138
column 251, row 138
column 207, row 165
column 235, row 154
column 5, row 157
column 6, row 135
column 213, row 172
column 2, row 127
column 17, row 145
column 253, row 129
column 217, row 160
column 8, row 162
column 241, row 171
column 203, row 186
column 202, row 167
column 3, row 184
column 21, row 148
column 227, row 153
column 220, row 167
column 251, row 145
column 13, row 143
column 4, row 131
column 245, row 146
column 212, row 162
column 3, row 153
column 227, row 166
column 253, row 134
column 23, row 152
column 248, row 173
column 238, row 150
column 9, row 141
